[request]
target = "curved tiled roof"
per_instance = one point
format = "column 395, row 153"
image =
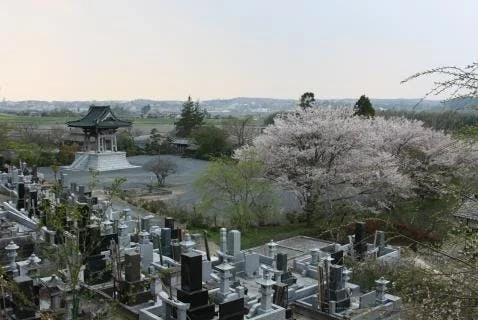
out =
column 99, row 117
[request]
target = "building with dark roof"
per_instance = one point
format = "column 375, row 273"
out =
column 100, row 148
column 100, row 124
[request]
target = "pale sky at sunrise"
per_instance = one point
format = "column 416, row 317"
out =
column 118, row 49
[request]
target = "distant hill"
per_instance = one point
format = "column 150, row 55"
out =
column 240, row 105
column 462, row 104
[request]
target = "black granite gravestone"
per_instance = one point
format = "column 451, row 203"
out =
column 191, row 290
column 360, row 245
column 21, row 196
column 106, row 241
column 23, row 298
column 93, row 240
column 232, row 310
column 176, row 250
column 169, row 223
column 166, row 241
column 281, row 262
column 95, row 270
column 81, row 194
column 196, row 299
column 336, row 289
column 191, row 271
column 280, row 296
column 338, row 257
column 286, row 276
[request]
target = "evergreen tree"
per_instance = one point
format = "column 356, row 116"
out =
column 192, row 116
column 363, row 107
column 307, row 100
column 199, row 114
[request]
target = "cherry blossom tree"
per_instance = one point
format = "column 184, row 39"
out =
column 329, row 157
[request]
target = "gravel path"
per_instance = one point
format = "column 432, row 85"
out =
column 180, row 183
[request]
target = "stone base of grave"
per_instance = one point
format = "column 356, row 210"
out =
column 101, row 161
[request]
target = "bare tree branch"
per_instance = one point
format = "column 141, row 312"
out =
column 458, row 83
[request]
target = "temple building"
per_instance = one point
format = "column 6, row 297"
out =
column 100, row 150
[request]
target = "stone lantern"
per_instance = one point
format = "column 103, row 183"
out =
column 11, row 249
column 381, row 289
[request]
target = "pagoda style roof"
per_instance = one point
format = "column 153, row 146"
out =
column 100, row 117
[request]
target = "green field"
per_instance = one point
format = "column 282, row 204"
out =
column 12, row 119
column 142, row 124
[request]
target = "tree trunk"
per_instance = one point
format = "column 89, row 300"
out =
column 75, row 309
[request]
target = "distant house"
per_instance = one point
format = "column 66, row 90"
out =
column 142, row 141
column 183, row 145
column 34, row 114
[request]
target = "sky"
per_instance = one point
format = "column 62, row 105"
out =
column 123, row 50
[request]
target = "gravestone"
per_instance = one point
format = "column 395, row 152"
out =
column 146, row 251
column 90, row 239
column 22, row 298
column 338, row 257
column 232, row 310
column 169, row 223
column 360, row 246
column 166, row 241
column 206, row 270
column 367, row 300
column 176, row 250
column 124, row 239
column 280, row 296
column 106, row 241
column 380, row 242
column 146, row 222
column 21, row 195
column 81, row 194
column 191, row 271
column 155, row 235
column 251, row 264
column 134, row 290
column 281, row 262
column 336, row 290
column 73, row 187
column 132, row 266
column 128, row 220
column 191, row 290
column 95, row 270
column 234, row 243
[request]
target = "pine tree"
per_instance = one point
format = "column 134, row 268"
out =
column 307, row 100
column 192, row 116
column 363, row 107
